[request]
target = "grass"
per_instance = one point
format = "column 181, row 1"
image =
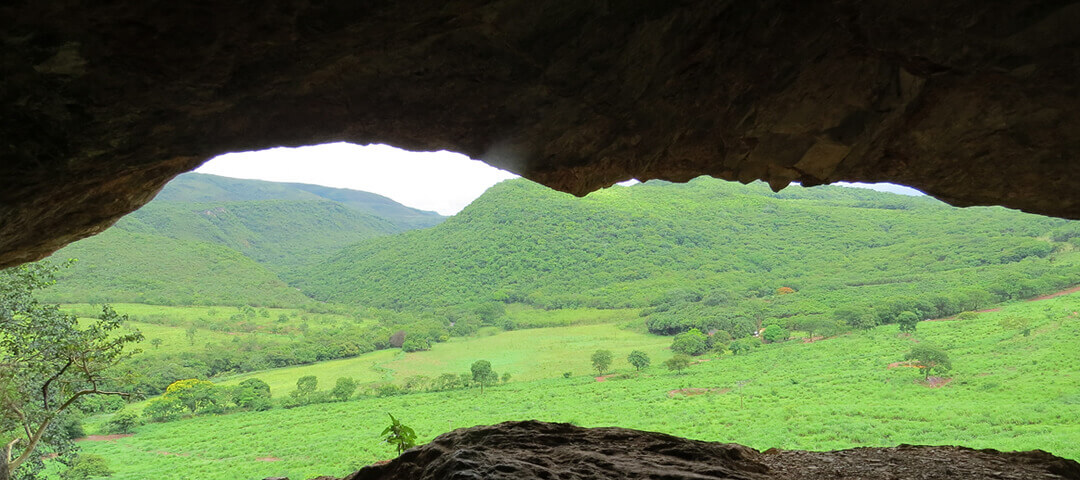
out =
column 1008, row 391
column 525, row 354
column 218, row 318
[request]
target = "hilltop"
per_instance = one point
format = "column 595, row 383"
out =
column 708, row 243
column 214, row 240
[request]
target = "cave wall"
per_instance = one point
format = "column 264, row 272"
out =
column 973, row 102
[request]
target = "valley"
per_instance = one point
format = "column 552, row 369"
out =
column 305, row 313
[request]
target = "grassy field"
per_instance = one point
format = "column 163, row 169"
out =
column 524, row 354
column 1006, row 391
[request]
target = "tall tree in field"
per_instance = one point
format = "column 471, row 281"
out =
column 601, row 360
column 482, row 373
column 929, row 359
column 48, row 362
column 638, row 359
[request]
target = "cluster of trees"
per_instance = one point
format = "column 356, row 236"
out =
column 194, row 397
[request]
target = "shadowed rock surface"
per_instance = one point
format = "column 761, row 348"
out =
column 974, row 102
column 539, row 450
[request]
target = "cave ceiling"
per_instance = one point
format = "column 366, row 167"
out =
column 973, row 102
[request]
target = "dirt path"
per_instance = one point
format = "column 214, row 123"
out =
column 1036, row 299
column 1056, row 294
column 603, row 378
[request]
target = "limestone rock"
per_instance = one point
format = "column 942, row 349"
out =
column 974, row 102
column 538, row 450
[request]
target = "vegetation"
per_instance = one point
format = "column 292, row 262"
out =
column 774, row 307
column 829, row 394
column 929, row 360
column 601, row 360
column 638, row 359
column 48, row 364
column 207, row 240
column 709, row 255
column 677, row 363
column 483, row 374
column 400, row 436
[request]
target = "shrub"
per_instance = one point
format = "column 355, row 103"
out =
column 691, row 342
column 343, row 389
column 87, row 466
column 775, row 333
column 677, row 363
column 122, row 422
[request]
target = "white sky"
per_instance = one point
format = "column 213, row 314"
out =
column 443, row 181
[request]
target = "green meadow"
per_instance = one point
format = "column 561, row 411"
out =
column 1006, row 391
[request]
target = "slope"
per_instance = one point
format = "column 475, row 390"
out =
column 1007, row 391
column 629, row 246
column 124, row 266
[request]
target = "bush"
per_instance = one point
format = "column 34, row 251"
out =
column 343, row 389
column 252, row 394
column 163, row 409
column 87, row 466
column 122, row 422
column 691, row 342
column 775, row 333
column 677, row 363
column 744, row 345
column 414, row 344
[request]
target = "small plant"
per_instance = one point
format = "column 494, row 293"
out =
column 399, row 435
column 567, row 374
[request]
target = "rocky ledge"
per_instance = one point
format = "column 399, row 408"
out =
column 539, row 450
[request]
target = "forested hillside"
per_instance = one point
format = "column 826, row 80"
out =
column 726, row 251
column 123, row 266
column 216, row 240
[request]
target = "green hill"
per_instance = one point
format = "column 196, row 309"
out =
column 123, row 266
column 216, row 240
column 710, row 244
column 280, row 225
column 203, row 188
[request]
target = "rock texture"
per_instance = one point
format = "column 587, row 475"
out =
column 971, row 101
column 538, row 450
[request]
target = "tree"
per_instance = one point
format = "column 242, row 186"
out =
column 744, row 345
column 156, row 343
column 191, row 332
column 677, row 363
column 343, row 389
column 775, row 333
column 482, row 373
column 601, row 360
column 691, row 342
column 306, row 385
column 252, row 394
column 638, row 359
column 929, row 359
column 415, row 344
column 908, row 321
column 506, row 377
column 49, row 361
column 195, row 395
column 857, row 317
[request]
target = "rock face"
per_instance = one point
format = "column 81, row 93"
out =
column 538, row 450
column 973, row 102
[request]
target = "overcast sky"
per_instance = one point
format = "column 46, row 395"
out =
column 444, row 182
